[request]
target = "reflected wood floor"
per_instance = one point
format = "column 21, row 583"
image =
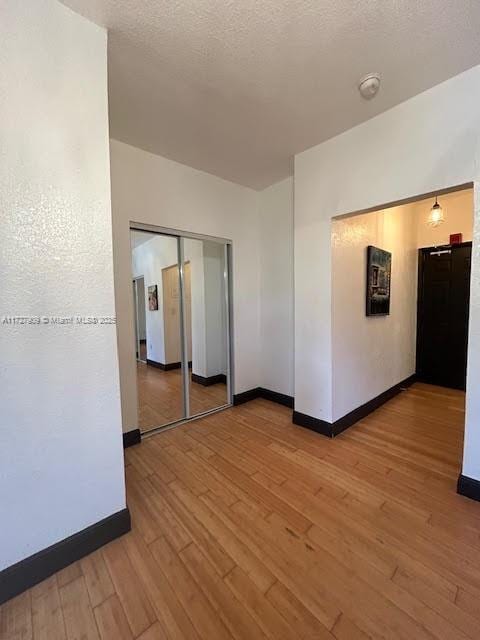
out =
column 247, row 527
column 160, row 398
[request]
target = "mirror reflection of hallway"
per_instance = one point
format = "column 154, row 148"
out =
column 206, row 324
column 194, row 318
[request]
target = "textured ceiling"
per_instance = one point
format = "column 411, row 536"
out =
column 237, row 87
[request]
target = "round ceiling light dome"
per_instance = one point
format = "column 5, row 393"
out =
column 369, row 86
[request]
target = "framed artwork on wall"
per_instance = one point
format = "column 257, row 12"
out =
column 153, row 297
column 379, row 267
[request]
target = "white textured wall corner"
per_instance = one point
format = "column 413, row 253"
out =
column 425, row 144
column 150, row 189
column 61, row 458
column 276, row 293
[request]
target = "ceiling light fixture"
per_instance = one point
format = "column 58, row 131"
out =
column 436, row 215
column 369, row 86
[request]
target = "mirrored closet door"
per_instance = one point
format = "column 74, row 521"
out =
column 206, row 323
column 181, row 309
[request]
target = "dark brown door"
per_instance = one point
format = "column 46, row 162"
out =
column 442, row 319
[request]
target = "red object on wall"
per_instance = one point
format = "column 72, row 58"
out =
column 455, row 238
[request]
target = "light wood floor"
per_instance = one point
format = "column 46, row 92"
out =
column 160, row 396
column 247, row 527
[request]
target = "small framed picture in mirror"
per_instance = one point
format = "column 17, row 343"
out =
column 153, row 298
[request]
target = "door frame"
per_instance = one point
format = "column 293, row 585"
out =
column 228, row 280
column 422, row 252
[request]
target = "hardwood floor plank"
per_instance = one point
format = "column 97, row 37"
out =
column 208, row 544
column 169, row 524
column 468, row 602
column 189, row 479
column 443, row 606
column 260, row 494
column 97, row 578
column 47, row 615
column 112, row 621
column 72, row 572
column 456, row 568
column 145, row 517
column 134, row 600
column 266, row 616
column 155, row 632
column 334, row 531
column 198, row 608
column 149, row 454
column 295, row 614
column 285, row 568
column 209, row 479
column 235, row 617
column 168, row 608
column 344, row 629
column 233, row 546
column 16, row 618
column 330, row 578
column 77, row 611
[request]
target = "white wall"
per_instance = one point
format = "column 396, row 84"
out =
column 276, row 297
column 372, row 354
column 151, row 189
column 425, row 144
column 61, row 456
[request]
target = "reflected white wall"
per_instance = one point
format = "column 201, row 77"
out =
column 208, row 316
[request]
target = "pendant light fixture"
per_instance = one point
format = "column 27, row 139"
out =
column 436, row 215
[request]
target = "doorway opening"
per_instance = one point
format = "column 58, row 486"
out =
column 181, row 285
column 413, row 331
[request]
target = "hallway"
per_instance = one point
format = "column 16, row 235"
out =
column 245, row 526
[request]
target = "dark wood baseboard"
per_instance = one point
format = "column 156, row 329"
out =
column 279, row 398
column 41, row 565
column 468, row 487
column 332, row 429
column 246, row 396
column 162, row 366
column 314, row 424
column 220, row 378
column 166, row 367
column 131, row 437
column 266, row 394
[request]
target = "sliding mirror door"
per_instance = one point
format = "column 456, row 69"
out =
column 206, row 312
column 155, row 269
column 182, row 306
